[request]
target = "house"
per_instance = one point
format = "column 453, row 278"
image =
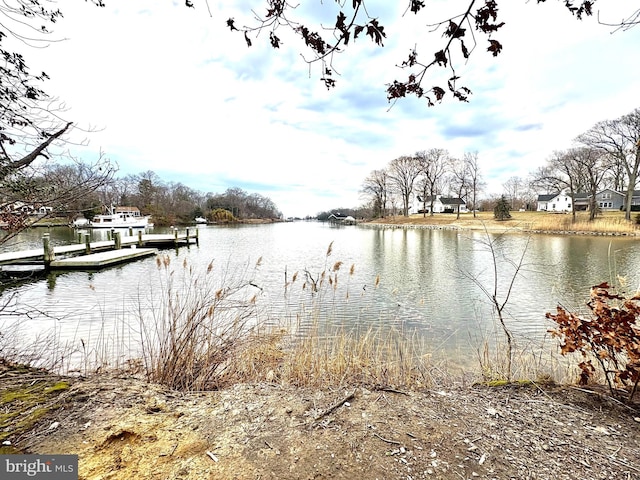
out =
column 19, row 207
column 581, row 201
column 609, row 199
column 555, row 202
column 440, row 205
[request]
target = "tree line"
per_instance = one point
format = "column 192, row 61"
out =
column 605, row 156
column 173, row 202
column 80, row 189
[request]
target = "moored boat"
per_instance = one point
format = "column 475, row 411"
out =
column 117, row 217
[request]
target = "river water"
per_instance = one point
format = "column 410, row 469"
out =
column 432, row 283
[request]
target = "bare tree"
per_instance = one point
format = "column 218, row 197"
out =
column 512, row 188
column 433, row 168
column 561, row 173
column 403, row 172
column 476, row 184
column 593, row 166
column 32, row 123
column 620, row 139
column 376, row 187
column 460, row 178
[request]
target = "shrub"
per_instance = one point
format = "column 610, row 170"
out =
column 611, row 335
column 220, row 215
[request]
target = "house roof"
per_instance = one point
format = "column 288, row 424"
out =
column 547, row 196
column 444, row 200
column 452, row 201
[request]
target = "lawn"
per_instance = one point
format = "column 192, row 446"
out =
column 608, row 222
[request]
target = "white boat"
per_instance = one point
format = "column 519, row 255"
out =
column 118, row 217
column 201, row 220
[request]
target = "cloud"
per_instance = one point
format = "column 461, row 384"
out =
column 172, row 90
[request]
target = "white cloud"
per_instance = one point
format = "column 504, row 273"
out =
column 172, row 90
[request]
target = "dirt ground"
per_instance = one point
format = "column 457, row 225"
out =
column 124, row 428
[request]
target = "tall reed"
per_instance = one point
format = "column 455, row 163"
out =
column 192, row 332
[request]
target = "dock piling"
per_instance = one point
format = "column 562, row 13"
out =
column 87, row 243
column 117, row 240
column 49, row 254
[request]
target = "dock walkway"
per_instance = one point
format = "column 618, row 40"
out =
column 102, row 259
column 97, row 254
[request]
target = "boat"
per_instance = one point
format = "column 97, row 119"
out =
column 116, row 217
column 201, row 220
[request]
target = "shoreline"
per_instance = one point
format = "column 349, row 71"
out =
column 493, row 229
column 122, row 427
column 521, row 222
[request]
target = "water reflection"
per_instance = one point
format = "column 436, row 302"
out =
column 425, row 281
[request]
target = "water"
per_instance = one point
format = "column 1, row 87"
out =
column 431, row 283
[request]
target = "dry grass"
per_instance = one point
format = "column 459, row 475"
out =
column 192, row 333
column 608, row 222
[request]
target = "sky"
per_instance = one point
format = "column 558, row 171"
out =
column 161, row 87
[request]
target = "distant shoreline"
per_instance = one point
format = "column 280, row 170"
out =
column 611, row 224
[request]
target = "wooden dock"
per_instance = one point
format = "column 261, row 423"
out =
column 102, row 259
column 88, row 255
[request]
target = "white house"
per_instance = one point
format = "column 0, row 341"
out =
column 606, row 199
column 554, row 202
column 440, row 205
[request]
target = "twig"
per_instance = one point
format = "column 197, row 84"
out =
column 608, row 397
column 615, row 460
column 212, row 456
column 335, row 405
column 392, row 390
column 386, row 440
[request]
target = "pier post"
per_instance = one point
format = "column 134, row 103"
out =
column 49, row 254
column 117, row 240
column 187, row 236
column 79, row 237
column 197, row 237
column 87, row 243
column 175, row 236
column 140, row 238
column 131, row 231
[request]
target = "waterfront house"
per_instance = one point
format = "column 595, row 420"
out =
column 555, row 202
column 609, row 199
column 606, row 200
column 440, row 205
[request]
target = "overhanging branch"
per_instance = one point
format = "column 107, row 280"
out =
column 30, row 157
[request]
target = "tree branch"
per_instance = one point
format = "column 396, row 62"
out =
column 30, row 157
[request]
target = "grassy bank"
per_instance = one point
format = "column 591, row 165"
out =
column 606, row 223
